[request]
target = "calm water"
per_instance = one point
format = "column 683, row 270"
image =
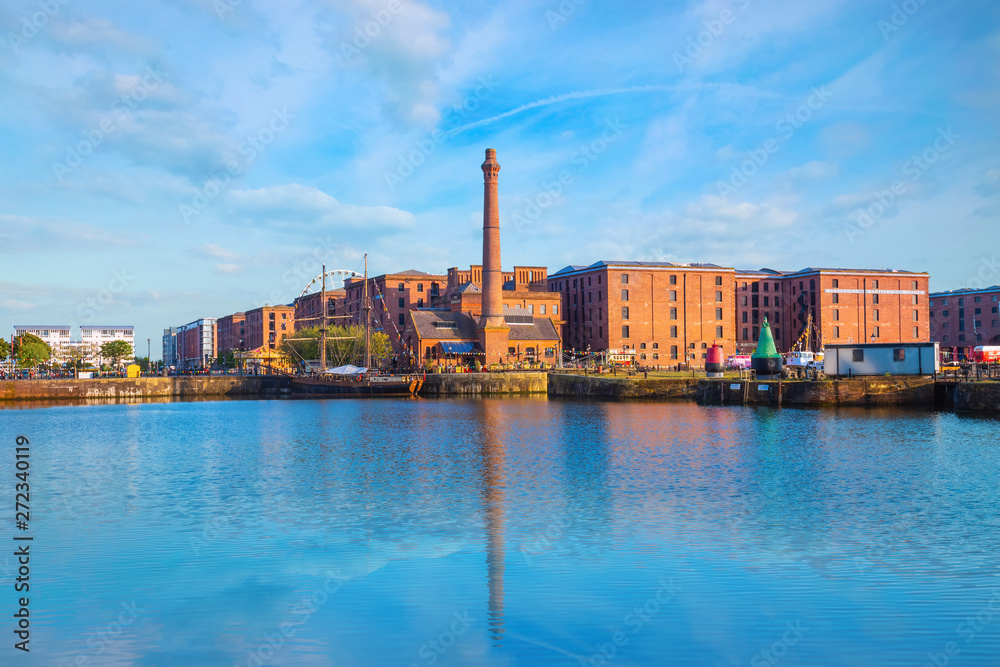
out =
column 505, row 532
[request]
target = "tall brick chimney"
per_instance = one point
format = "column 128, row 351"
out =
column 493, row 329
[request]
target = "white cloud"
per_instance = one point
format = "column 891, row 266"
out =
column 98, row 32
column 754, row 24
column 741, row 234
column 404, row 50
column 215, row 251
column 228, row 269
column 15, row 304
column 301, row 205
column 846, row 139
column 816, row 170
column 852, row 200
column 26, row 234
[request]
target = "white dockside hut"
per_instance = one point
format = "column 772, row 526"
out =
column 882, row 358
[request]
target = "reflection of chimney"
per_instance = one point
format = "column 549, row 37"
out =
column 492, row 275
column 494, row 479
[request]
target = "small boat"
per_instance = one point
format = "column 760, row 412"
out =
column 804, row 359
column 801, row 354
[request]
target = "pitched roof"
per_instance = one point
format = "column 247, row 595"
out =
column 629, row 263
column 516, row 310
column 427, row 324
column 815, row 269
column 410, row 272
column 966, row 290
column 771, row 272
column 542, row 329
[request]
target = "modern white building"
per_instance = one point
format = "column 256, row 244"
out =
column 57, row 337
column 881, row 359
column 93, row 337
column 89, row 345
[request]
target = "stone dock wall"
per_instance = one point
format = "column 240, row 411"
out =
column 918, row 391
column 145, row 387
column 471, row 384
column 915, row 391
column 612, row 387
column 976, row 396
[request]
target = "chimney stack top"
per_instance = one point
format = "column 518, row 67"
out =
column 491, row 168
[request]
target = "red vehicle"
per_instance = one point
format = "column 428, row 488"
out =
column 984, row 354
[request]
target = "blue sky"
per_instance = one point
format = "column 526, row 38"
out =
column 165, row 161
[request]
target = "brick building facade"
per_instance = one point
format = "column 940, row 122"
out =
column 392, row 296
column 267, row 326
column 196, row 344
column 668, row 313
column 525, row 287
column 231, row 331
column 761, row 295
column 963, row 319
column 846, row 305
column 309, row 309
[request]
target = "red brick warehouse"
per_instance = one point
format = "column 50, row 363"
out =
column 668, row 313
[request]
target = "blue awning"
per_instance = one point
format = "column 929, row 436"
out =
column 459, row 348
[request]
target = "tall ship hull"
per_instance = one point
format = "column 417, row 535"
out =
column 367, row 386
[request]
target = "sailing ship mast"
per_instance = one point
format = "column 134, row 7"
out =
column 322, row 326
column 368, row 319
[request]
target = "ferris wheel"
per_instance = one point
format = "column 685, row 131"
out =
column 333, row 275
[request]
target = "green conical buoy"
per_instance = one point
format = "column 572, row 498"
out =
column 766, row 361
column 765, row 346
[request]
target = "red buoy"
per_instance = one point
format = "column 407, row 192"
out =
column 715, row 360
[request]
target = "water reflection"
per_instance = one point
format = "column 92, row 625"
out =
column 494, row 452
column 869, row 526
column 25, row 404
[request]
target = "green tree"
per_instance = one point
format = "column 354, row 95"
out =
column 143, row 363
column 116, row 350
column 4, row 349
column 29, row 350
column 75, row 357
column 381, row 346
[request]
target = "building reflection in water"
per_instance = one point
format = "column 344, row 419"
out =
column 494, row 454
